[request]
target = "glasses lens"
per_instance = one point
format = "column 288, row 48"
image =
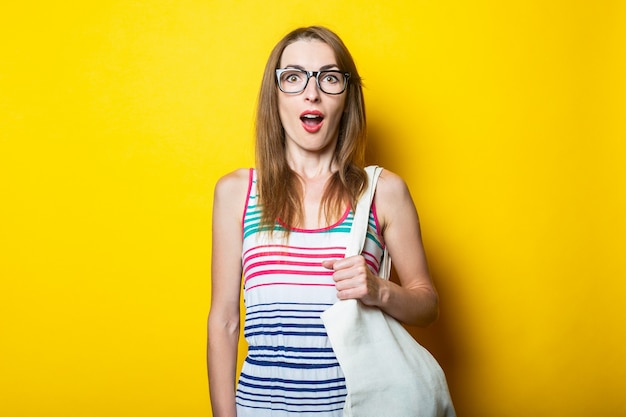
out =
column 292, row 81
column 332, row 82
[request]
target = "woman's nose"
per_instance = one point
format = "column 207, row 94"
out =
column 312, row 91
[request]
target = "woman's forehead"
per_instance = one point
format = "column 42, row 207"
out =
column 311, row 54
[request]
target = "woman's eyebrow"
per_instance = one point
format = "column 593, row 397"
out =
column 322, row 68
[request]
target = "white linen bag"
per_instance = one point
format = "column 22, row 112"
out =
column 388, row 374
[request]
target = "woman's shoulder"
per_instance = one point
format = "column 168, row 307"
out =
column 390, row 184
column 234, row 179
column 392, row 195
column 233, row 185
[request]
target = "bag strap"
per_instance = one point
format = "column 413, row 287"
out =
column 358, row 232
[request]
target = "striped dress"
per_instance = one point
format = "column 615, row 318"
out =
column 291, row 368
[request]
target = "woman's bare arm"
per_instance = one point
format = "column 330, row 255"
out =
column 224, row 318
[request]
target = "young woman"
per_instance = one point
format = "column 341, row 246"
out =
column 283, row 227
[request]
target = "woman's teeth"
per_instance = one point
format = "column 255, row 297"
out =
column 311, row 119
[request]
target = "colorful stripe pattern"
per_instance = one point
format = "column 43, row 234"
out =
column 291, row 368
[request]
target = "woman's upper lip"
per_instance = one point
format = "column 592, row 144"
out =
column 316, row 113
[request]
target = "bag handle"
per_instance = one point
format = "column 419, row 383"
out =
column 358, row 232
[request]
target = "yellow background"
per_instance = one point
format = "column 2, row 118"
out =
column 117, row 117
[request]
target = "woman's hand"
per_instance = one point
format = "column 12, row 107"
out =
column 353, row 279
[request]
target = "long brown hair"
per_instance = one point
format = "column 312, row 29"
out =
column 280, row 190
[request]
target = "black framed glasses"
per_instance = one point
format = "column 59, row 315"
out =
column 294, row 80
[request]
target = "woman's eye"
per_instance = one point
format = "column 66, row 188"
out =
column 293, row 78
column 331, row 79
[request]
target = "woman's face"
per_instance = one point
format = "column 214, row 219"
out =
column 310, row 118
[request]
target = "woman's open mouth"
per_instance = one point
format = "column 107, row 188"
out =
column 312, row 120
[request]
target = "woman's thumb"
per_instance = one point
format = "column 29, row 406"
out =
column 329, row 263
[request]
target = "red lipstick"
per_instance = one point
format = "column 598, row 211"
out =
column 312, row 120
